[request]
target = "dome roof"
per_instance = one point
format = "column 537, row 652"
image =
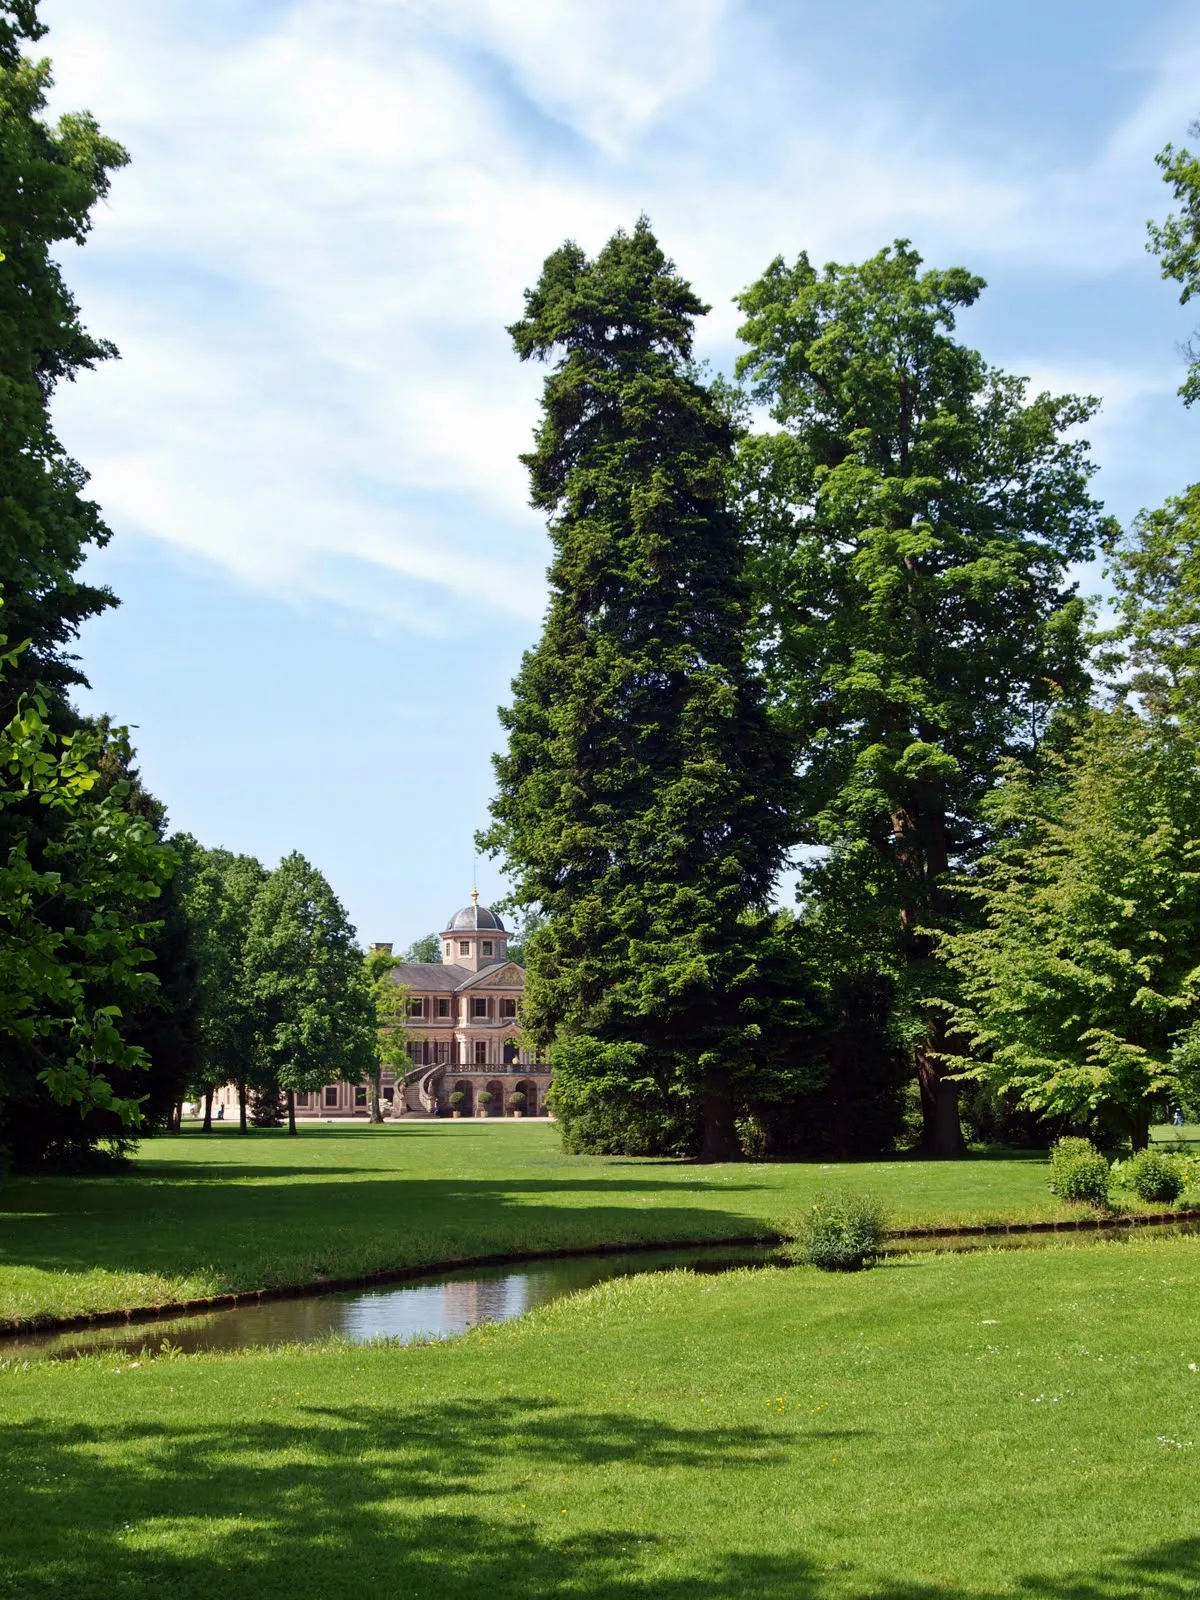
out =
column 474, row 916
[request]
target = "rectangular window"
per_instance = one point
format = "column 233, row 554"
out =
column 464, row 947
column 487, row 947
column 443, row 1008
column 508, row 1008
column 479, row 1008
column 416, row 1053
column 481, row 1052
column 389, row 1094
column 449, row 949
column 416, row 1008
column 443, row 1052
column 360, row 1095
column 331, row 1094
column 302, row 1099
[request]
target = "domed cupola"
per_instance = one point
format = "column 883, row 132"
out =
column 475, row 937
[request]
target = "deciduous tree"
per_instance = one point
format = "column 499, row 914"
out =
column 914, row 517
column 314, row 1020
column 51, row 179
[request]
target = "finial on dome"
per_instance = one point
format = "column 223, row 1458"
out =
column 474, row 897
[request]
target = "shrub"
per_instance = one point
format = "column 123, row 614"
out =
column 842, row 1233
column 1154, row 1177
column 753, row 1139
column 516, row 1100
column 484, row 1098
column 457, row 1100
column 1079, row 1172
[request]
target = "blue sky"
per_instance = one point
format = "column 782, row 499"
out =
column 308, row 451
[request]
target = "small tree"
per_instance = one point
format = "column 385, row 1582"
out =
column 306, row 981
column 1085, row 974
column 427, row 949
column 217, row 890
column 390, row 1001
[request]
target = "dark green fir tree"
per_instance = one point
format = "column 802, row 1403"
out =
column 644, row 801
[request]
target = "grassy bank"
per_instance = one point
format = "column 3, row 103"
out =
column 201, row 1215
column 982, row 1426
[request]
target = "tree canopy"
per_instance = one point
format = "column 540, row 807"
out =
column 913, row 520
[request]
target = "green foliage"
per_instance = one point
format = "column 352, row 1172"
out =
column 1153, row 1177
column 315, row 1021
column 457, row 1100
column 643, row 801
column 73, row 924
column 1079, row 1172
column 516, row 1100
column 1155, row 569
column 841, row 1233
column 484, row 1098
column 389, row 1003
column 51, row 179
column 530, row 923
column 428, row 949
column 218, row 890
column 913, row 520
column 1083, row 973
column 1176, row 242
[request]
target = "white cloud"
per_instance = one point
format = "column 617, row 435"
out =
column 335, row 205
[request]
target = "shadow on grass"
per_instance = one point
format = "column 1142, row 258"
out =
column 263, row 1233
column 379, row 1501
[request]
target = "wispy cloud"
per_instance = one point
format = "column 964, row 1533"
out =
column 335, row 205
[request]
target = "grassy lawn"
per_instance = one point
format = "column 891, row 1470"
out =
column 983, row 1426
column 204, row 1214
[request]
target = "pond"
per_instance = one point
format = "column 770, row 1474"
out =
column 434, row 1307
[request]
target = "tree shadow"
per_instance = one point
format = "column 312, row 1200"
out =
column 367, row 1501
column 259, row 1234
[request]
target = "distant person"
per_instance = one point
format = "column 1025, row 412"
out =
column 1177, row 1119
column 220, row 1113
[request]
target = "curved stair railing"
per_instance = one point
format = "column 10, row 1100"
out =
column 427, row 1088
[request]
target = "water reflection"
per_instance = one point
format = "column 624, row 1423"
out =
column 430, row 1308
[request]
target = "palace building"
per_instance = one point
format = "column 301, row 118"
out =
column 462, row 1035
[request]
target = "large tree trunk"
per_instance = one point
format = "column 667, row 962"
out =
column 720, row 1135
column 376, row 1108
column 941, row 1129
column 241, row 1089
column 920, row 834
column 208, row 1100
column 175, row 1121
column 291, row 1105
column 1139, row 1128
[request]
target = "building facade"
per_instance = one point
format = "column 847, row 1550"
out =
column 462, row 1035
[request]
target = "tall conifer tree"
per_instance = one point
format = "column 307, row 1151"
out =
column 644, row 800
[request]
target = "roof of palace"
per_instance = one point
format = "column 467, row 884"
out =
column 444, row 976
column 474, row 916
